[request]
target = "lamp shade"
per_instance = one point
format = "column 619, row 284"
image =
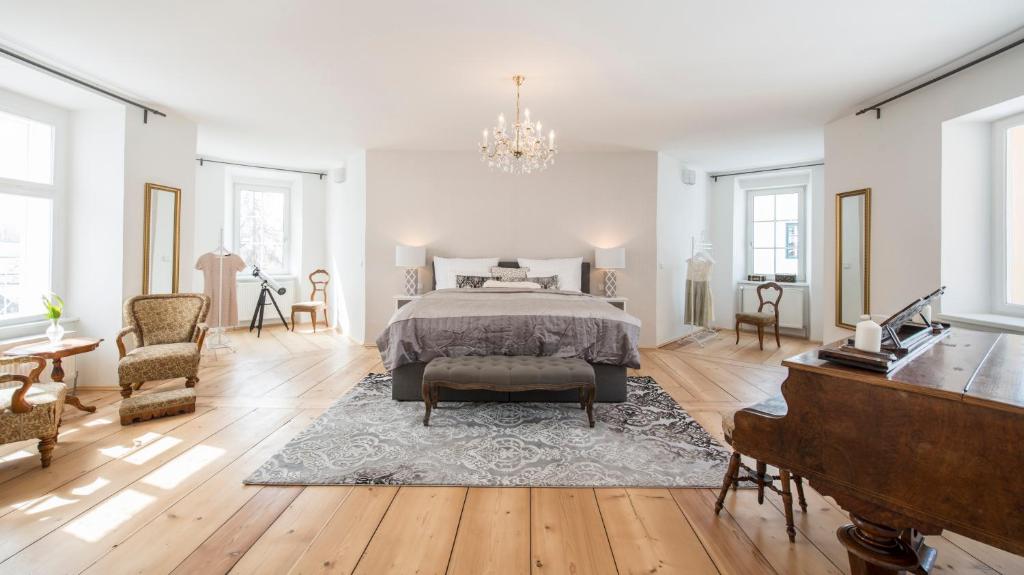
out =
column 410, row 256
column 610, row 259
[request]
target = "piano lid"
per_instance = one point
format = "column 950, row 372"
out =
column 966, row 365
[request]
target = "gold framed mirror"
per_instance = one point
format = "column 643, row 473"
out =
column 853, row 257
column 161, row 240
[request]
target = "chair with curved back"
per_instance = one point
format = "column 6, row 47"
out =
column 319, row 278
column 760, row 318
column 29, row 409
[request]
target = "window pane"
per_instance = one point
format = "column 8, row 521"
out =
column 1015, row 215
column 763, row 235
column 784, row 264
column 261, row 228
column 26, row 149
column 25, row 230
column 787, row 206
column 764, row 261
column 787, row 235
column 764, row 208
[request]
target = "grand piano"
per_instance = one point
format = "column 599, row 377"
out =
column 932, row 440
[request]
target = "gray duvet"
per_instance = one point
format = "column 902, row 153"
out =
column 509, row 321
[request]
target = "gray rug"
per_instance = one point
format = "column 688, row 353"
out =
column 368, row 438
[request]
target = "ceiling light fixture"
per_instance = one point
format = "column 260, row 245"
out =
column 521, row 149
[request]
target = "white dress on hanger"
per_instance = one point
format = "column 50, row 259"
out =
column 700, row 310
column 220, row 284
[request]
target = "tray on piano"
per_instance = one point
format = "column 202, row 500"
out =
column 900, row 338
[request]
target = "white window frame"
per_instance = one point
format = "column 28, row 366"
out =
column 801, row 222
column 52, row 191
column 1000, row 216
column 283, row 188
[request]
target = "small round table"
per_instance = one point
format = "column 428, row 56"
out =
column 57, row 352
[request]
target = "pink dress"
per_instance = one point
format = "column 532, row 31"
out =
column 210, row 265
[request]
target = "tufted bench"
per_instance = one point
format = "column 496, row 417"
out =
column 505, row 373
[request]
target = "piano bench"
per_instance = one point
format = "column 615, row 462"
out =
column 774, row 407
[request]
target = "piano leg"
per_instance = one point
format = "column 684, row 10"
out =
column 876, row 549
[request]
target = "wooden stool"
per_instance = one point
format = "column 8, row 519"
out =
column 158, row 404
column 762, row 319
column 775, row 406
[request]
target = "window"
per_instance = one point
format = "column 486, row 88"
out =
column 775, row 231
column 26, row 216
column 1010, row 197
column 26, row 150
column 261, row 231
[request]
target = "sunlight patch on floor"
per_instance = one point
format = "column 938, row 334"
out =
column 173, row 473
column 107, row 516
column 20, row 454
column 91, row 488
column 97, row 422
column 150, row 451
column 48, row 504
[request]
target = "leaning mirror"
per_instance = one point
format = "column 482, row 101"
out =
column 853, row 256
column 160, row 243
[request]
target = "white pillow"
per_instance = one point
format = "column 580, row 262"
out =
column 445, row 269
column 520, row 285
column 568, row 270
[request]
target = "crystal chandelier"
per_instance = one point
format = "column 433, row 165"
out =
column 521, row 149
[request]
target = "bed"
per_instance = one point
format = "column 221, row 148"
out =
column 510, row 321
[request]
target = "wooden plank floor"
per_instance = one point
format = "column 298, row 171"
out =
column 166, row 495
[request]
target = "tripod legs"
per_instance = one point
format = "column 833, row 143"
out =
column 261, row 304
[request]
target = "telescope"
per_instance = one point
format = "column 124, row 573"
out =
column 256, row 273
column 267, row 288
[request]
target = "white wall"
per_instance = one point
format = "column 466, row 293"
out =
column 345, row 217
column 454, row 205
column 900, row 158
column 95, row 248
column 159, row 152
column 728, row 229
column 682, row 215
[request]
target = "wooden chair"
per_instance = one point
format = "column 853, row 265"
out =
column 760, row 318
column 29, row 409
column 739, row 471
column 319, row 279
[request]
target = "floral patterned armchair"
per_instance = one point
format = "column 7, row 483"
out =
column 168, row 330
column 30, row 410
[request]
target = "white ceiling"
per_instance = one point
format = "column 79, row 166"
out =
column 722, row 85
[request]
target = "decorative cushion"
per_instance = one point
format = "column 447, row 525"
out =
column 509, row 274
column 150, row 405
column 47, row 401
column 308, row 304
column 470, row 281
column 549, row 282
column 774, row 406
column 759, row 318
column 159, row 362
column 509, row 371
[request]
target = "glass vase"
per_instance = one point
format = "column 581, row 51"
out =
column 55, row 332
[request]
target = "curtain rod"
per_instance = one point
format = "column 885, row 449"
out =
column 146, row 110
column 878, row 107
column 716, row 176
column 203, row 160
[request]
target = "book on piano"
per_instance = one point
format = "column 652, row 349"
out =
column 901, row 336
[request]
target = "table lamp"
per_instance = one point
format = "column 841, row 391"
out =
column 411, row 258
column 609, row 260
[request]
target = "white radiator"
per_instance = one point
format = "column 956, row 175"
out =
column 249, row 293
column 792, row 308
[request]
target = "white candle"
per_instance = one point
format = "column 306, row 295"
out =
column 501, row 120
column 485, row 137
column 527, row 112
column 551, row 139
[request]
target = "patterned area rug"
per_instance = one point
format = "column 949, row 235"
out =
column 368, row 438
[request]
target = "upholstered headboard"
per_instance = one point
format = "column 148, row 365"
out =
column 584, row 274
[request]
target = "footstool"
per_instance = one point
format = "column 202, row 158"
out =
column 159, row 404
column 509, row 373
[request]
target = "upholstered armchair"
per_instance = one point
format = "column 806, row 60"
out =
column 30, row 410
column 168, row 330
